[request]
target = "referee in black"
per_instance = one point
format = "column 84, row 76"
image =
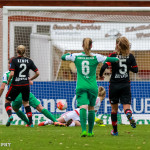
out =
column 19, row 82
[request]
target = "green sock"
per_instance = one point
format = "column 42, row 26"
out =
column 83, row 118
column 46, row 113
column 21, row 115
column 91, row 119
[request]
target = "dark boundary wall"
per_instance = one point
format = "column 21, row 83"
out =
column 74, row 3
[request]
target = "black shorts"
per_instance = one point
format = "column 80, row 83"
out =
column 14, row 91
column 120, row 93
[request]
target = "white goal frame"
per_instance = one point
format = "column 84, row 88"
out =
column 6, row 9
column 23, row 8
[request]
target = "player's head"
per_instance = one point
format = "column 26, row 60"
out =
column 101, row 92
column 21, row 50
column 87, row 45
column 123, row 46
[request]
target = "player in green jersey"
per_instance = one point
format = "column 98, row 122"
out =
column 32, row 101
column 87, row 88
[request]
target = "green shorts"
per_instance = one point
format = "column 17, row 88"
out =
column 86, row 97
column 17, row 103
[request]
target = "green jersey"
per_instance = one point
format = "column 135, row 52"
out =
column 6, row 76
column 86, row 68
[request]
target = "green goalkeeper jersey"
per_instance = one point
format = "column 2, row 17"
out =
column 6, row 76
column 86, row 68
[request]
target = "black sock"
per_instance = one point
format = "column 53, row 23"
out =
column 8, row 109
column 114, row 121
column 29, row 113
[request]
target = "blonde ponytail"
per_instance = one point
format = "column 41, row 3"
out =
column 87, row 44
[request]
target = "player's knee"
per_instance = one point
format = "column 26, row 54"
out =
column 77, row 123
column 25, row 103
column 84, row 106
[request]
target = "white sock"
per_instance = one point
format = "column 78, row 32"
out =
column 72, row 124
column 48, row 122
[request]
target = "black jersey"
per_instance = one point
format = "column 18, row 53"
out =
column 21, row 67
column 120, row 70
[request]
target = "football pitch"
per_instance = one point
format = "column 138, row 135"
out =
column 63, row 138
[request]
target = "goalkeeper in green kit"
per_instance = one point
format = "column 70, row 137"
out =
column 87, row 88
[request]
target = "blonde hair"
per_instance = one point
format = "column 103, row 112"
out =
column 117, row 40
column 123, row 46
column 21, row 50
column 101, row 91
column 87, row 43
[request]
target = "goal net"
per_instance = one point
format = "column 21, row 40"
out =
column 49, row 32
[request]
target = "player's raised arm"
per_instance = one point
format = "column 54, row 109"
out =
column 63, row 57
column 111, row 59
column 69, row 57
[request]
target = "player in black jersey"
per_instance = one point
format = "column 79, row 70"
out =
column 19, row 68
column 119, row 89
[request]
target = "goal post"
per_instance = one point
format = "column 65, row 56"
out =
column 49, row 32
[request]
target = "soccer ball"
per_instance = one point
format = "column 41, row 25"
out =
column 62, row 105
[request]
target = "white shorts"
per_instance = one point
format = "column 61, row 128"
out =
column 70, row 115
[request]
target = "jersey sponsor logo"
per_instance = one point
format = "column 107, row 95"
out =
column 121, row 75
column 85, row 57
column 20, row 79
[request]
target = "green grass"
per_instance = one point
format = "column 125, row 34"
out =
column 63, row 138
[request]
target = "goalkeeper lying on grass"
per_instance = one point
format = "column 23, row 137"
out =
column 72, row 118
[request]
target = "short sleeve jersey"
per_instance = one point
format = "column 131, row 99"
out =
column 6, row 76
column 86, row 68
column 120, row 71
column 21, row 67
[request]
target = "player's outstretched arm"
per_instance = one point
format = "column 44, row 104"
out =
column 63, row 57
column 111, row 59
